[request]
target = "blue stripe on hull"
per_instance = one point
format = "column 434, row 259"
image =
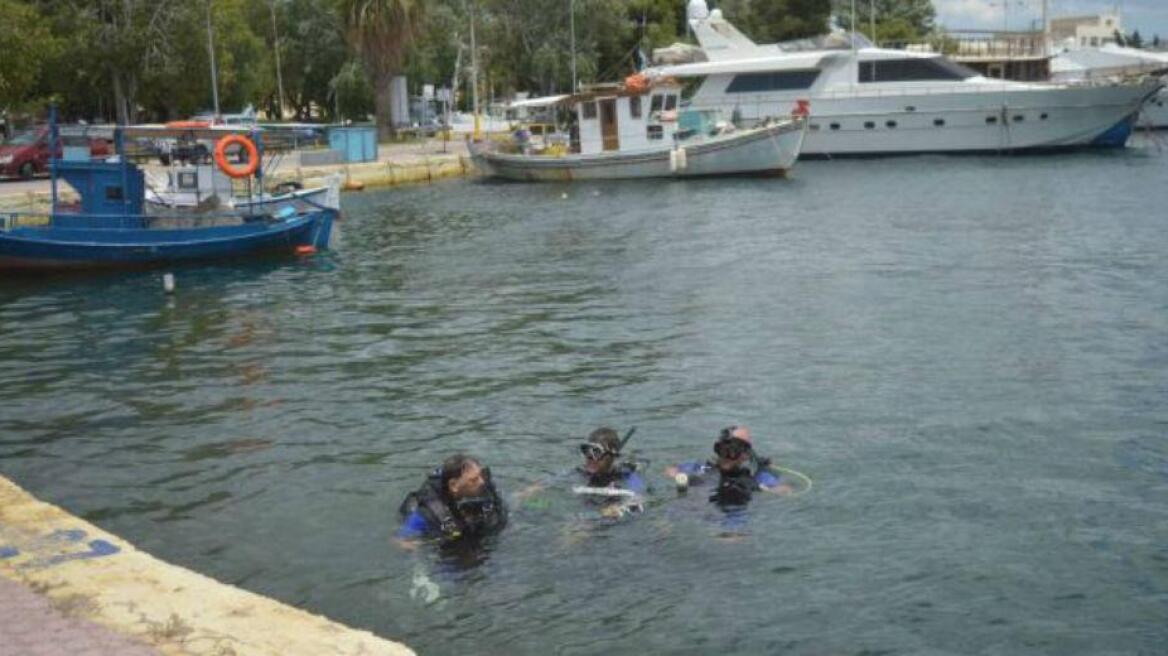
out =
column 1117, row 135
column 54, row 248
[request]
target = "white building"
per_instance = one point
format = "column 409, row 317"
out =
column 1085, row 31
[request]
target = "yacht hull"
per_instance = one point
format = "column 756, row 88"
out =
column 1036, row 117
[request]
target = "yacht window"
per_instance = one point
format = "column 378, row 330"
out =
column 1042, row 116
column 654, row 132
column 913, row 70
column 188, row 180
column 589, row 110
column 835, row 126
column 990, row 120
column 655, row 103
column 890, row 124
column 670, row 102
column 1018, row 118
column 869, row 125
column 635, row 107
column 939, row 122
column 813, row 127
column 772, row 81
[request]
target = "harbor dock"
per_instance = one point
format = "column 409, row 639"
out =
column 68, row 587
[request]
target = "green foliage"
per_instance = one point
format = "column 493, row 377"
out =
column 27, row 43
column 769, row 21
column 896, row 20
column 147, row 59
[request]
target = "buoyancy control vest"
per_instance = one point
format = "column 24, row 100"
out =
column 455, row 519
column 738, row 486
column 617, row 475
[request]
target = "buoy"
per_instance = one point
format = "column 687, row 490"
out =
column 306, row 249
column 168, row 283
column 682, row 481
column 353, row 185
column 564, row 195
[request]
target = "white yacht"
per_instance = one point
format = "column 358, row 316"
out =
column 1071, row 64
column 867, row 101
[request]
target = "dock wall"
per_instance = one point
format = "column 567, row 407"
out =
column 90, row 574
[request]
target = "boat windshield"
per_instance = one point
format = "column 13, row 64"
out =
column 913, row 69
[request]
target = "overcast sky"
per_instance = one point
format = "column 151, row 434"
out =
column 1148, row 16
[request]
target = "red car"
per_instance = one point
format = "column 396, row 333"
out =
column 27, row 154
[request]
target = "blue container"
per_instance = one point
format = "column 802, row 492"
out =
column 354, row 144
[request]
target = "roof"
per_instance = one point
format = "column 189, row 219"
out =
column 542, row 101
column 779, row 61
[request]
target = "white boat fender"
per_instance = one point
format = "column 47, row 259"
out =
column 168, row 283
column 681, row 159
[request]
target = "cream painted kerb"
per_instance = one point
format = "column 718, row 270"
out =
column 87, row 572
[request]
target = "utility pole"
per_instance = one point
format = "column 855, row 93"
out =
column 572, row 29
column 211, row 49
column 279, row 76
column 1045, row 28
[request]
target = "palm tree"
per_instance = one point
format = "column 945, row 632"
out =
column 381, row 32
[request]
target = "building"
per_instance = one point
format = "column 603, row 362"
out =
column 1085, row 31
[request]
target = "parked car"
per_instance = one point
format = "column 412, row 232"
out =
column 27, row 153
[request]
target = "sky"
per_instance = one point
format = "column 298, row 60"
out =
column 1148, row 16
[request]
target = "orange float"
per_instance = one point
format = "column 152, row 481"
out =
column 253, row 156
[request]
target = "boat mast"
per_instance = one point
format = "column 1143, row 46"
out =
column 211, row 49
column 572, row 29
column 474, row 73
column 276, row 48
column 872, row 22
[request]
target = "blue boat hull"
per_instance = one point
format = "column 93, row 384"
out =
column 56, row 247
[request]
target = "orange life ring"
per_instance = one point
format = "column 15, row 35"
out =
column 253, row 156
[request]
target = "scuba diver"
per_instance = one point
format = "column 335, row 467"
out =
column 457, row 501
column 741, row 472
column 602, row 466
column 607, row 481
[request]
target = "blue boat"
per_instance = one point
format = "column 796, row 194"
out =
column 110, row 228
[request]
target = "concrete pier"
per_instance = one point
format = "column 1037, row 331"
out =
column 68, row 587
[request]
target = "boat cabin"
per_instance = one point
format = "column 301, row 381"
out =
column 618, row 118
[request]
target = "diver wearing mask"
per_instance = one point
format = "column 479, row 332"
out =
column 457, row 501
column 741, row 472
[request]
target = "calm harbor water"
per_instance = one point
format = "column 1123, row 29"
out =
column 968, row 355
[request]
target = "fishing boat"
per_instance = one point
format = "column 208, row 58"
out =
column 875, row 101
column 111, row 227
column 637, row 130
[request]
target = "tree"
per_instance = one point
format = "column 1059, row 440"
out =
column 27, row 44
column 381, row 31
column 895, row 20
column 1135, row 40
column 768, row 21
